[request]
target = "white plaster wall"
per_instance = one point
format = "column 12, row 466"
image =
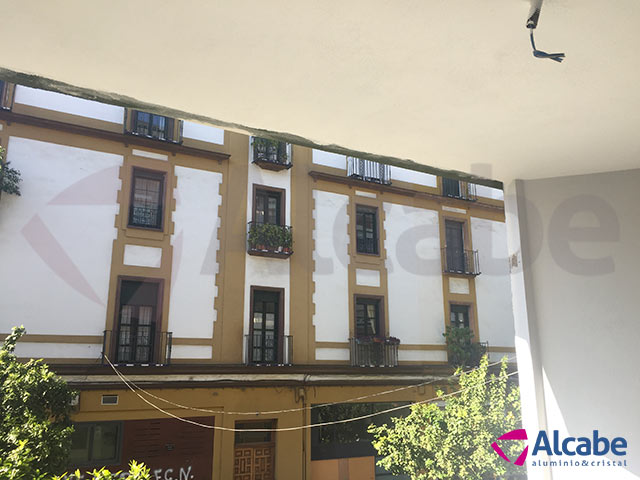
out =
column 342, row 354
column 68, row 104
column 493, row 285
column 141, row 256
column 367, row 278
column 195, row 246
column 331, row 275
column 191, row 351
column 58, row 350
column 329, row 159
column 582, row 315
column 265, row 271
column 205, row 133
column 422, row 355
column 489, row 192
column 56, row 239
column 412, row 176
column 414, row 278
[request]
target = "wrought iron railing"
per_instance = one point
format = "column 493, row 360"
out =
column 145, row 216
column 271, row 151
column 458, row 189
column 157, row 127
column 373, row 352
column 123, row 348
column 262, row 349
column 368, row 170
column 266, row 238
column 460, row 261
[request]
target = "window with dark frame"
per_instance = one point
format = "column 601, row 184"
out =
column 147, row 195
column 265, row 327
column 367, row 230
column 95, row 443
column 151, row 125
column 268, row 205
column 368, row 317
column 459, row 316
column 136, row 332
column 454, row 237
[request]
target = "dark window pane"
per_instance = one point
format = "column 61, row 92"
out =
column 366, row 230
column 79, row 453
column 105, row 442
column 146, row 202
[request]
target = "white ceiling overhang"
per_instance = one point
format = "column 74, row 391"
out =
column 448, row 84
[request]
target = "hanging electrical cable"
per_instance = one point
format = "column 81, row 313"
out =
column 312, row 425
column 288, row 410
column 532, row 23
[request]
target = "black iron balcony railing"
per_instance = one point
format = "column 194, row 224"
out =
column 374, row 351
column 458, row 189
column 5, row 103
column 368, row 170
column 460, row 261
column 146, row 216
column 139, row 345
column 266, row 348
column 157, row 127
column 270, row 154
column 269, row 240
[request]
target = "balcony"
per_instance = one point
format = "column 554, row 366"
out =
column 368, row 170
column 268, row 240
column 374, row 351
column 141, row 345
column 270, row 154
column 156, row 127
column 463, row 262
column 456, row 189
column 265, row 348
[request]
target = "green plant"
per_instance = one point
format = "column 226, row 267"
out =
column 287, row 238
column 463, row 350
column 454, row 441
column 35, row 405
column 270, row 150
column 9, row 177
column 137, row 471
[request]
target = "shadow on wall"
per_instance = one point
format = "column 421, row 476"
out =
column 586, row 308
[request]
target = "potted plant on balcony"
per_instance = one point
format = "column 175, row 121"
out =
column 268, row 150
column 392, row 341
column 287, row 240
column 272, row 237
column 463, row 350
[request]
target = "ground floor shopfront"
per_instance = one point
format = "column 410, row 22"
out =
column 225, row 433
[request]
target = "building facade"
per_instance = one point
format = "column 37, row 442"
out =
column 227, row 275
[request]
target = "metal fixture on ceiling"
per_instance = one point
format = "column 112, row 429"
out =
column 532, row 23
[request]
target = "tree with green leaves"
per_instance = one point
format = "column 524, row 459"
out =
column 35, row 404
column 9, row 177
column 453, row 441
column 137, row 471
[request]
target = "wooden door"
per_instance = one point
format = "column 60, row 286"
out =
column 254, row 462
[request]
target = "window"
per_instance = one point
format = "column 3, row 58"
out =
column 151, row 125
column 368, row 317
column 264, row 339
column 95, row 443
column 147, row 194
column 268, row 206
column 457, row 189
column 459, row 316
column 367, row 230
column 450, row 187
column 454, row 235
column 136, row 332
